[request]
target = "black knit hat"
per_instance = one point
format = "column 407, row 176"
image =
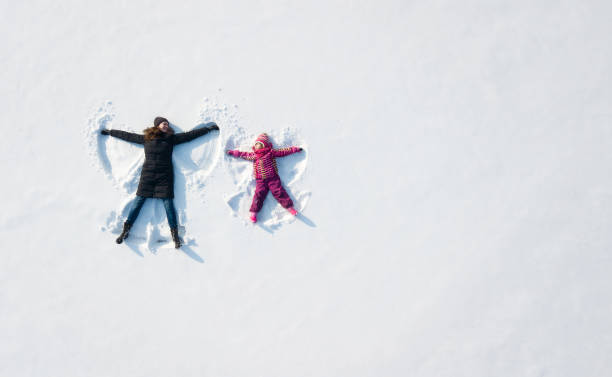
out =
column 159, row 120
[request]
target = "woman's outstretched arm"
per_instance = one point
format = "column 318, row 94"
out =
column 124, row 135
column 190, row 135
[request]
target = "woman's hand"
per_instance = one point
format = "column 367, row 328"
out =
column 105, row 131
column 213, row 127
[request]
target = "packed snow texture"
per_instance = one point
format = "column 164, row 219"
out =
column 454, row 190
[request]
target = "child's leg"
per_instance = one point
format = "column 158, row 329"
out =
column 261, row 190
column 170, row 212
column 279, row 192
column 137, row 205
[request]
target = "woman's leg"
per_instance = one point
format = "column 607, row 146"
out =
column 170, row 212
column 137, row 205
column 171, row 215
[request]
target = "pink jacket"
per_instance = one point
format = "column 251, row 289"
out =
column 264, row 160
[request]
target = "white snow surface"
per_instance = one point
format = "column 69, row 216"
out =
column 454, row 192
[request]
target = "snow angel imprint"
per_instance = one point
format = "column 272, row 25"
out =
column 157, row 176
column 265, row 172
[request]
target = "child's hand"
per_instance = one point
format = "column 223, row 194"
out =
column 300, row 149
column 105, row 132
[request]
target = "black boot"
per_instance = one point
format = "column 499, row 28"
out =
column 175, row 237
column 125, row 233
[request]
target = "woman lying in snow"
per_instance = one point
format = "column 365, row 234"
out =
column 157, row 176
column 266, row 173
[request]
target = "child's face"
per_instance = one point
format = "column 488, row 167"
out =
column 258, row 145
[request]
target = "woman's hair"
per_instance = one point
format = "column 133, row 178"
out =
column 154, row 132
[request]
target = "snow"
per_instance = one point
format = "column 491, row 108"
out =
column 454, row 195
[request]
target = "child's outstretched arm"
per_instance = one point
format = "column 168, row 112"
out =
column 245, row 155
column 285, row 151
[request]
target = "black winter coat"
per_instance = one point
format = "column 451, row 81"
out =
column 157, row 176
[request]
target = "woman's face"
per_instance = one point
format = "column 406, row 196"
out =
column 164, row 126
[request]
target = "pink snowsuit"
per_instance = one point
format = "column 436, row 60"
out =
column 265, row 172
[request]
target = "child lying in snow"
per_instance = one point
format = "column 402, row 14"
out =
column 266, row 173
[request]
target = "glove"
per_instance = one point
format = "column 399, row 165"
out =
column 105, row 132
column 300, row 149
column 213, row 127
column 231, row 153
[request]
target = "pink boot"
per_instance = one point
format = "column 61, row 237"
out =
column 292, row 211
column 253, row 217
